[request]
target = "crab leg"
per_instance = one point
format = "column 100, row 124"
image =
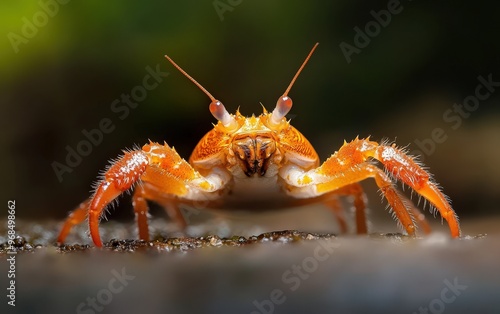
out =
column 334, row 204
column 417, row 215
column 147, row 191
column 163, row 172
column 118, row 178
column 351, row 164
column 359, row 203
column 364, row 171
column 141, row 210
column 76, row 217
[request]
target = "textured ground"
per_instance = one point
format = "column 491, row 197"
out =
column 275, row 272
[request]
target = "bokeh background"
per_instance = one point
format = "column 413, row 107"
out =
column 64, row 78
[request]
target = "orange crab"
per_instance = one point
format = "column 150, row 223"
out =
column 262, row 159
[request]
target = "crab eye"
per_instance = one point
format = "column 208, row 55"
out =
column 218, row 110
column 220, row 113
column 283, row 106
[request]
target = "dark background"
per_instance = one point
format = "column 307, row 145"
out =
column 64, row 79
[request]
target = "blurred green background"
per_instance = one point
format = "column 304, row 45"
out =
column 63, row 78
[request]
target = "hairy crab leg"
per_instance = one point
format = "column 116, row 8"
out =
column 351, row 164
column 118, row 178
column 76, row 217
column 360, row 209
column 141, row 209
column 162, row 172
column 406, row 169
column 367, row 170
column 417, row 215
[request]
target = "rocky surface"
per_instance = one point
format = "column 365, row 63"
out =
column 271, row 272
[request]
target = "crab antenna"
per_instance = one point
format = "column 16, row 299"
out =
column 300, row 69
column 216, row 107
column 284, row 103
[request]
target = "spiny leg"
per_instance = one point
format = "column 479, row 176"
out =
column 420, row 218
column 365, row 171
column 417, row 215
column 320, row 184
column 405, row 168
column 118, row 178
column 402, row 167
column 350, row 164
column 159, row 166
column 141, row 210
column 76, row 217
column 156, row 164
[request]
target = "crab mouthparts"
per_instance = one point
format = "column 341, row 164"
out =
column 254, row 153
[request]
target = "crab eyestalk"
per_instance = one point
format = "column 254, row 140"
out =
column 220, row 113
column 283, row 106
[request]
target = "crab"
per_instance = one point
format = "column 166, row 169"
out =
column 261, row 160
